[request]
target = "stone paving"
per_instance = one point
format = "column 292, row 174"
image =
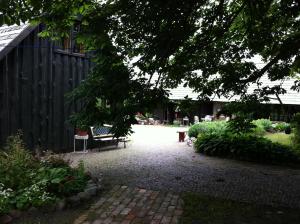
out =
column 154, row 159
column 129, row 205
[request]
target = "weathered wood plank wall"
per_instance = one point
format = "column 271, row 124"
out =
column 34, row 78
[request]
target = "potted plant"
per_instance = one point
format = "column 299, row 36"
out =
column 82, row 129
column 287, row 129
column 80, row 123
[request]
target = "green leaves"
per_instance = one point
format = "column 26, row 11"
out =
column 205, row 44
column 296, row 126
column 26, row 182
column 241, row 124
column 245, row 147
column 210, row 127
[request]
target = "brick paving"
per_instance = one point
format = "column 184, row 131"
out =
column 129, row 205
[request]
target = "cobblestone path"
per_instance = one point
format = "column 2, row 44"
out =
column 129, row 205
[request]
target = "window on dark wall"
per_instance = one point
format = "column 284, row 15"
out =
column 76, row 48
column 69, row 44
column 66, row 44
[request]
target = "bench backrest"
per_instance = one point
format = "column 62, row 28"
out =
column 101, row 131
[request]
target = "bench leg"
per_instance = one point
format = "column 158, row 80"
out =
column 124, row 144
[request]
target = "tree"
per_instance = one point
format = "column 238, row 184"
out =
column 143, row 47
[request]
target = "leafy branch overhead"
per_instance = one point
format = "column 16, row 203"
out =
column 141, row 47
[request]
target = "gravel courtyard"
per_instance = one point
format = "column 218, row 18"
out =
column 154, row 159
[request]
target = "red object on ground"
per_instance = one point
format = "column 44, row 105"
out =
column 181, row 136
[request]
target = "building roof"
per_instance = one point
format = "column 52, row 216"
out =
column 290, row 97
column 11, row 36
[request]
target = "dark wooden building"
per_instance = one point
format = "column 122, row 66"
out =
column 35, row 75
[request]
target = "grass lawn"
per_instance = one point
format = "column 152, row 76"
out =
column 280, row 138
column 208, row 210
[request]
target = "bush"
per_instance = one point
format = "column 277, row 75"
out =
column 281, row 127
column 288, row 130
column 241, row 124
column 6, row 194
column 25, row 181
column 62, row 181
column 265, row 124
column 16, row 164
column 218, row 127
column 34, row 195
column 258, row 131
column 296, row 131
column 245, row 147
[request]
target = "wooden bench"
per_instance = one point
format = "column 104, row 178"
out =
column 103, row 134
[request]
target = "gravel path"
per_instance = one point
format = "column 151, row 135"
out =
column 154, row 159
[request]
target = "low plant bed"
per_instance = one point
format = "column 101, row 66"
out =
column 28, row 183
column 246, row 147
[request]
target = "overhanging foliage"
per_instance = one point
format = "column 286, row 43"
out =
column 142, row 47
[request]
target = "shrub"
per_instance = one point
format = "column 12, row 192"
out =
column 6, row 194
column 35, row 195
column 265, row 124
column 241, row 124
column 259, row 131
column 63, row 180
column 245, row 147
column 288, row 130
column 25, row 181
column 218, row 127
column 16, row 164
column 296, row 131
column 280, row 127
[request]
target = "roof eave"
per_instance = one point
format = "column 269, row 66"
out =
column 17, row 40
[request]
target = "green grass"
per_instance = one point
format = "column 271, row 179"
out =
column 280, row 138
column 209, row 210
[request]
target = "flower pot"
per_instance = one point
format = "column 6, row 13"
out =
column 288, row 130
column 81, row 132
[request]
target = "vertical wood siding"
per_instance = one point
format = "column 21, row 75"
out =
column 34, row 79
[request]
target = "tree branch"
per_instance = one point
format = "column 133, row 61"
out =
column 261, row 72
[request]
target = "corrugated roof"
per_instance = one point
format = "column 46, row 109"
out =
column 181, row 92
column 10, row 36
column 291, row 97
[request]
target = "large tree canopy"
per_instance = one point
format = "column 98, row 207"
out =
column 142, row 47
